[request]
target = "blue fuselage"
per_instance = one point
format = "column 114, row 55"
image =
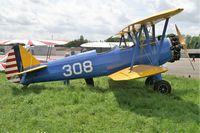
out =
column 91, row 64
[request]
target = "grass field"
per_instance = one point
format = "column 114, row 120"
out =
column 111, row 106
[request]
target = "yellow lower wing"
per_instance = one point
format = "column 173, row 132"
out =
column 138, row 71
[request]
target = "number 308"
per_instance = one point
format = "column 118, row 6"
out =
column 86, row 66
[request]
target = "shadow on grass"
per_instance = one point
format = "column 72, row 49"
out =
column 37, row 88
column 135, row 97
column 28, row 90
column 33, row 88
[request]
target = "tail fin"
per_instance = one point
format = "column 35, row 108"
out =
column 25, row 60
column 19, row 59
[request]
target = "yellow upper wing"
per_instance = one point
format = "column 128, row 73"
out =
column 138, row 71
column 151, row 20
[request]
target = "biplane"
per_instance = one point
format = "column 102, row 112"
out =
column 144, row 59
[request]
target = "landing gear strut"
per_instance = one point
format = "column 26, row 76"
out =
column 89, row 81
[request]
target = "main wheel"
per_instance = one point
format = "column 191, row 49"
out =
column 162, row 86
column 149, row 81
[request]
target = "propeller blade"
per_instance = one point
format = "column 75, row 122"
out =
column 184, row 45
column 181, row 39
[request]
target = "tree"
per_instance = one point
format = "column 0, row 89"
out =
column 115, row 39
column 77, row 42
column 188, row 39
column 193, row 42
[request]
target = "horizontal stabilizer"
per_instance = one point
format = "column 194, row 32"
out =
column 32, row 69
column 138, row 71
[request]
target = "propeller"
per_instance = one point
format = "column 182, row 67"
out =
column 183, row 44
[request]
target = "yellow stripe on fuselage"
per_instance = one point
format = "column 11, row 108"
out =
column 33, row 69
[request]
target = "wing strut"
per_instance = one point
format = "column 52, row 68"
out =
column 137, row 38
column 153, row 32
column 154, row 48
column 163, row 36
column 131, row 38
column 122, row 39
column 49, row 52
column 146, row 32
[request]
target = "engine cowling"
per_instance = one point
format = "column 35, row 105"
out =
column 175, row 47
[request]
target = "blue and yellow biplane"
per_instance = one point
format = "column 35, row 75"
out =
column 144, row 59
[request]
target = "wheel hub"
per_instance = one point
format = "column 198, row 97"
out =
column 162, row 86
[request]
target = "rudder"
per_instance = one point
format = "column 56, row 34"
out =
column 19, row 59
column 11, row 68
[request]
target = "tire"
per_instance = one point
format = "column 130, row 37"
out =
column 162, row 86
column 149, row 81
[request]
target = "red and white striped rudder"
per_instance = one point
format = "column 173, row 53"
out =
column 11, row 69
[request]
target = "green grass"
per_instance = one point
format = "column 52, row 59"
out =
column 110, row 106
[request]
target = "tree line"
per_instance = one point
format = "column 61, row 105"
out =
column 77, row 42
column 193, row 42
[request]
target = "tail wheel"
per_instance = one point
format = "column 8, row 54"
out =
column 24, row 87
column 162, row 86
column 149, row 81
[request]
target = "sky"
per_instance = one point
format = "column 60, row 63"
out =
column 94, row 19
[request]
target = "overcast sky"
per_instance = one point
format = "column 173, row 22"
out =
column 95, row 19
